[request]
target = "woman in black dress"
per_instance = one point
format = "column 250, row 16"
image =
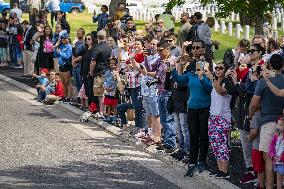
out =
column 45, row 52
column 85, row 68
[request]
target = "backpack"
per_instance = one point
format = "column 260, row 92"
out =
column 192, row 33
column 228, row 58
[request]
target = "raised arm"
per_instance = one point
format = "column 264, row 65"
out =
column 274, row 89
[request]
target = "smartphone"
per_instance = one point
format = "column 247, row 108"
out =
column 199, row 66
column 272, row 73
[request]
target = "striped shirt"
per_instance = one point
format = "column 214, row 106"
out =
column 133, row 79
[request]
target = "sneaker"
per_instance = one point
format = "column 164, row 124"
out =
column 213, row 173
column 107, row 120
column 248, row 177
column 191, row 169
column 3, row 65
column 186, row 159
column 179, row 155
column 18, row 67
column 201, row 166
column 170, row 150
column 85, row 116
column 161, row 147
column 222, row 175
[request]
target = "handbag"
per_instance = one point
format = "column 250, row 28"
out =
column 130, row 114
column 98, row 87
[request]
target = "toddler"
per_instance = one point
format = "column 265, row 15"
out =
column 110, row 84
column 43, row 81
column 276, row 150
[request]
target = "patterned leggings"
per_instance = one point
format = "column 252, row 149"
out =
column 218, row 132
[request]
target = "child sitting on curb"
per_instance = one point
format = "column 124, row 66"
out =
column 50, row 87
column 43, row 81
column 58, row 93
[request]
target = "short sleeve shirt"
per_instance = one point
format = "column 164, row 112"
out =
column 101, row 54
column 271, row 105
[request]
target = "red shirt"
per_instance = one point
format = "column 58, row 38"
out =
column 241, row 74
column 59, row 91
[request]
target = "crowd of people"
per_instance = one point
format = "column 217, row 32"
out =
column 164, row 80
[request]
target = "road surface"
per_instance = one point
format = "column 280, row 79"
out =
column 46, row 147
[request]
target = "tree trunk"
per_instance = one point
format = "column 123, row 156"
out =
column 113, row 6
column 12, row 3
column 258, row 24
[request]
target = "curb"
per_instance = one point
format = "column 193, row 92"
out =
column 151, row 150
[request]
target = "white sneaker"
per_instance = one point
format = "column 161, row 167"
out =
column 18, row 67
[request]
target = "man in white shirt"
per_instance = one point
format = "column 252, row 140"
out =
column 17, row 11
column 53, row 7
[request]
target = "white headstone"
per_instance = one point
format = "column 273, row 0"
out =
column 233, row 17
column 216, row 26
column 230, row 29
column 275, row 35
column 274, row 23
column 223, row 27
column 246, row 34
column 238, row 31
column 282, row 24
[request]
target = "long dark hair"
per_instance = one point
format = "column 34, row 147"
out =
column 94, row 41
column 50, row 35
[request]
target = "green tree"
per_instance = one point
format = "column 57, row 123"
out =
column 256, row 10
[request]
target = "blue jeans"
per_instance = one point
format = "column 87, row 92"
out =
column 121, row 110
column 13, row 54
column 136, row 99
column 167, row 120
column 180, row 122
column 77, row 77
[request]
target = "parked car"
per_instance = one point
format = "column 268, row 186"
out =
column 73, row 6
column 4, row 6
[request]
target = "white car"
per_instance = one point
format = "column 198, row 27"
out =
column 134, row 5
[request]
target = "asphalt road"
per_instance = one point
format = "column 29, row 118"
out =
column 46, row 147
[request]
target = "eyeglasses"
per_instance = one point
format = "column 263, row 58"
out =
column 195, row 47
column 219, row 68
column 88, row 39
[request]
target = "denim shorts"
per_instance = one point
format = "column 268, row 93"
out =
column 150, row 105
column 279, row 169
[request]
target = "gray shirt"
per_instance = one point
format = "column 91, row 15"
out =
column 204, row 33
column 176, row 51
column 271, row 105
column 183, row 33
column 255, row 124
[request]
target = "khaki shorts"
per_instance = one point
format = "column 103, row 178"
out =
column 266, row 135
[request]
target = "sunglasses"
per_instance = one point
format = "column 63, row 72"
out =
column 195, row 47
column 219, row 68
column 170, row 40
column 88, row 39
column 251, row 51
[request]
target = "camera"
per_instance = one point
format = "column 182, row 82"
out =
column 156, row 80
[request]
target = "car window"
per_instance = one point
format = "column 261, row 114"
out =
column 67, row 1
column 76, row 1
